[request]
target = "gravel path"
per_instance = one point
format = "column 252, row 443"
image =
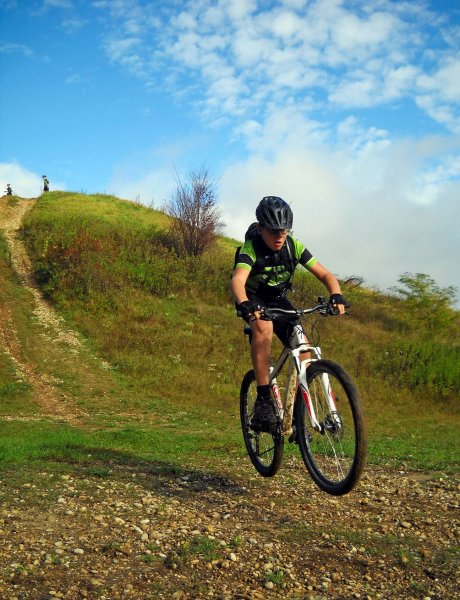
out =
column 143, row 532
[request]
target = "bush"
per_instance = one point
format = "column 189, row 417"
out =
column 415, row 364
column 82, row 255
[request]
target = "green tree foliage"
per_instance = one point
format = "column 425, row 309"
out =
column 431, row 305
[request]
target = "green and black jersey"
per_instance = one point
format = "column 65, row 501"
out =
column 271, row 272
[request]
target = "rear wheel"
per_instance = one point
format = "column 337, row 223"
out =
column 265, row 449
column 335, row 455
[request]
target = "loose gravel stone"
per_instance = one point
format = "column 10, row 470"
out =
column 160, row 540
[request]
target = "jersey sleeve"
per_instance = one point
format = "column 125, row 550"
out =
column 246, row 257
column 303, row 256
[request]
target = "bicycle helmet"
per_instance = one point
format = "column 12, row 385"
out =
column 275, row 213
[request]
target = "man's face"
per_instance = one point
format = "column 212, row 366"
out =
column 274, row 238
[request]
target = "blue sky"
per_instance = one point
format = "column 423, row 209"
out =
column 349, row 110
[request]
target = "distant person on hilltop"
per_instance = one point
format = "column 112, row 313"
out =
column 262, row 275
column 46, row 183
column 9, row 191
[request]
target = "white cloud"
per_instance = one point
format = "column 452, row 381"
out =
column 355, row 56
column 399, row 81
column 74, row 24
column 23, row 182
column 120, row 49
column 185, row 20
column 249, row 51
column 439, row 93
column 287, row 25
column 135, row 179
column 151, row 189
column 239, row 9
column 376, row 85
column 376, row 231
column 351, row 32
column 447, row 79
column 359, row 92
column 13, row 48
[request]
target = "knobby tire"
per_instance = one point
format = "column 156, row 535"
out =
column 264, row 449
column 335, row 457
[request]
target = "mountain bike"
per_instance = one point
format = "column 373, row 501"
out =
column 320, row 410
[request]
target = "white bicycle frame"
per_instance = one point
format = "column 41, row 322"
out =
column 297, row 376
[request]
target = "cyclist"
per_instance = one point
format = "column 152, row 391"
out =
column 9, row 190
column 262, row 277
column 46, row 183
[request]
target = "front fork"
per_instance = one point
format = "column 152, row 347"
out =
column 334, row 421
column 297, row 376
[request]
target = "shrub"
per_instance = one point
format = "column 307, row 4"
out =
column 415, row 364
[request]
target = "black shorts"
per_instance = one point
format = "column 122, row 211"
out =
column 282, row 328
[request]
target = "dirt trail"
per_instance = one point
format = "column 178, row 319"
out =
column 53, row 403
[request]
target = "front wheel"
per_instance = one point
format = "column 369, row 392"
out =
column 334, row 455
column 264, row 449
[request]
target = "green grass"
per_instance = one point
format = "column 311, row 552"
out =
column 276, row 577
column 15, row 396
column 177, row 444
column 177, row 353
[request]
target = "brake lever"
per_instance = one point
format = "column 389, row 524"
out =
column 334, row 311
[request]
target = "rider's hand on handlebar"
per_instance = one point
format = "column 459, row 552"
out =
column 338, row 303
column 249, row 310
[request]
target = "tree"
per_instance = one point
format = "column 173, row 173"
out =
column 196, row 218
column 431, row 304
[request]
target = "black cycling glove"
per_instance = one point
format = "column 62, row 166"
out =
column 337, row 299
column 248, row 307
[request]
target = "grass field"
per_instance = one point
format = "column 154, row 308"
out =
column 167, row 328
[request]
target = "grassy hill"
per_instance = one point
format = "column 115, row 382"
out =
column 167, row 328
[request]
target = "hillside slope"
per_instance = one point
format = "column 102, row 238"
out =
column 110, row 490
column 52, row 402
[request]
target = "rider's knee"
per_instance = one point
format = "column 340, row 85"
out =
column 262, row 331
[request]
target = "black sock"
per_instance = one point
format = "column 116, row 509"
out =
column 263, row 391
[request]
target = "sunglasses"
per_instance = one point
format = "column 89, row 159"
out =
column 277, row 231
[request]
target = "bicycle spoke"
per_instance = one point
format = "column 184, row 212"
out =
column 334, row 456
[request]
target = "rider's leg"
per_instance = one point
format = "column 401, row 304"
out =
column 261, row 345
column 283, row 329
column 305, row 355
column 264, row 417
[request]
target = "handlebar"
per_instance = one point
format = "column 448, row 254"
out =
column 324, row 307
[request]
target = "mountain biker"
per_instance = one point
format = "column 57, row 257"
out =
column 9, row 190
column 46, row 183
column 262, row 277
